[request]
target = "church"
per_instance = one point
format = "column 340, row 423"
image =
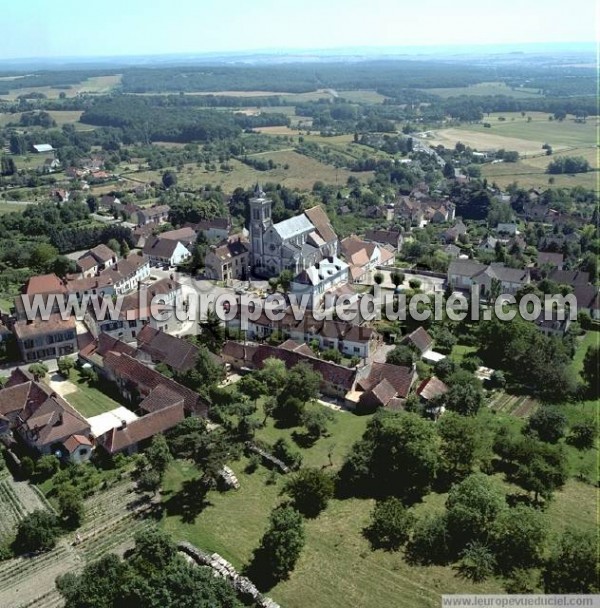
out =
column 294, row 244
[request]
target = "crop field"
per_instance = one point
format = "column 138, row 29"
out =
column 113, row 517
column 517, row 133
column 362, row 96
column 485, row 88
column 96, row 84
column 17, row 499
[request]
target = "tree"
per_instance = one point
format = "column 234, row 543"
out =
column 302, row 382
column 65, row 365
column 282, row 543
column 37, row 531
column 583, row 435
column 547, row 423
column 158, row 454
column 269, row 406
column 125, row 250
column 397, row 278
column 573, row 566
column 414, row 283
column 520, row 538
column 42, row 256
column 212, row 333
column 46, row 466
column 591, row 369
column 536, row 466
column 401, row 355
column 310, row 489
column 285, row 279
column 444, row 340
column 149, row 481
column 153, row 575
column 460, row 437
column 448, row 171
column 378, row 278
column 252, row 387
column 70, row 505
column 465, row 395
column 273, row 375
column 398, row 455
column 430, row 542
column 477, row 562
column 169, row 178
column 390, row 525
column 472, row 507
column 114, row 245
column 332, row 354
column 316, row 421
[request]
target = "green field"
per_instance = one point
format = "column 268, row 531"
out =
column 484, row 88
column 88, row 400
column 96, row 84
column 10, row 207
column 362, row 96
column 302, row 173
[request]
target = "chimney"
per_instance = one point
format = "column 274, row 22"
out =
column 123, row 425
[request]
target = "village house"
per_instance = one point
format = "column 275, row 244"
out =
column 363, row 257
column 152, row 304
column 43, row 420
column 391, row 238
column 588, row 300
column 108, row 201
column 336, row 380
column 463, row 274
column 158, row 215
column 50, row 165
column 452, row 234
column 419, row 340
column 228, row 261
column 166, row 252
column 179, row 354
column 382, row 385
column 186, row 236
column 215, row 229
column 546, row 259
column 49, row 339
column 429, row 392
column 118, row 278
column 315, row 281
column 553, row 326
column 95, row 260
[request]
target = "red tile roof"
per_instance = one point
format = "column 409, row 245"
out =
column 179, row 354
column 400, row 377
column 126, row 368
column 420, row 339
column 431, row 387
column 330, row 372
column 143, row 428
column 44, row 284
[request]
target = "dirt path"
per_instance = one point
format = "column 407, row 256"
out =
column 63, row 387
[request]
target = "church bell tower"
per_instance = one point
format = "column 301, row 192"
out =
column 260, row 220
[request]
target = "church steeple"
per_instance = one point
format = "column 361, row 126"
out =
column 260, row 221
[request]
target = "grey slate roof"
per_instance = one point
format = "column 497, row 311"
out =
column 293, row 226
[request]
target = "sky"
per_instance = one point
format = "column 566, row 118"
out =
column 76, row 28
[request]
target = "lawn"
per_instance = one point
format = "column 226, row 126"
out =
column 10, row 207
column 591, row 338
column 345, row 429
column 88, row 400
column 460, row 351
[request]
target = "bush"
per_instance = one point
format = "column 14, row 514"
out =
column 37, row 531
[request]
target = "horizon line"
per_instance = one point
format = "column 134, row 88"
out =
column 413, row 49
